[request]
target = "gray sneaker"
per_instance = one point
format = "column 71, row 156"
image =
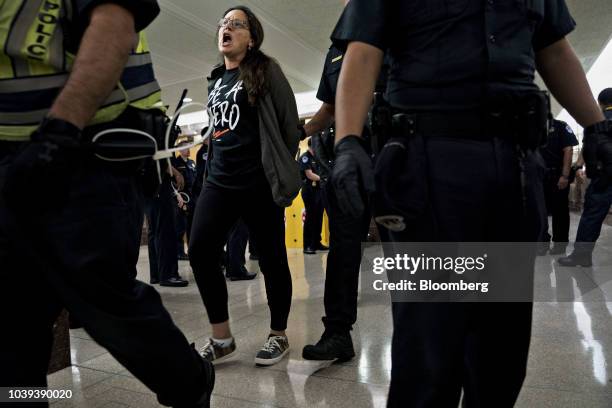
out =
column 216, row 353
column 273, row 350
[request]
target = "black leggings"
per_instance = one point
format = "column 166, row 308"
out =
column 216, row 212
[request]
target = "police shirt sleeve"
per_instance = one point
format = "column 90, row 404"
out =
column 325, row 93
column 556, row 23
column 569, row 138
column 329, row 79
column 144, row 11
column 365, row 21
column 304, row 162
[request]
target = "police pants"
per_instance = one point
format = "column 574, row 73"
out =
column 314, row 215
column 438, row 349
column 597, row 202
column 161, row 213
column 182, row 227
column 557, row 204
column 343, row 264
column 83, row 258
column 217, row 211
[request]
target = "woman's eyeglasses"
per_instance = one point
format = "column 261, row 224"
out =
column 233, row 23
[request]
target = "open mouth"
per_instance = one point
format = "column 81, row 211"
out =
column 226, row 39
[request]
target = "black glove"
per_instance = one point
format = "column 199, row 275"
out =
column 39, row 177
column 597, row 150
column 352, row 176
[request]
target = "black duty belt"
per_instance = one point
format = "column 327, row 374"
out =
column 468, row 125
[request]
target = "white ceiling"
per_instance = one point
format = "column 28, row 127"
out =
column 182, row 39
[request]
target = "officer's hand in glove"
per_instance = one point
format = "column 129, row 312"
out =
column 352, row 175
column 39, row 177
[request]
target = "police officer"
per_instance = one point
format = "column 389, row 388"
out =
column 597, row 202
column 70, row 223
column 184, row 214
column 311, row 194
column 460, row 75
column 347, row 231
column 161, row 213
column 557, row 154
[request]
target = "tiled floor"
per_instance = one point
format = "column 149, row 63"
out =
column 569, row 366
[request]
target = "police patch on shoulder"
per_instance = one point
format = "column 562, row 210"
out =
column 569, row 129
column 304, row 159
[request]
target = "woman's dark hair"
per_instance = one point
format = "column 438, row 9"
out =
column 255, row 64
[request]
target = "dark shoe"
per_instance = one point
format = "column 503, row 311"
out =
column 558, row 249
column 310, row 251
column 176, row 282
column 154, row 281
column 246, row 276
column 215, row 353
column 209, row 381
column 576, row 260
column 334, row 346
column 322, row 247
column 183, row 257
column 273, row 350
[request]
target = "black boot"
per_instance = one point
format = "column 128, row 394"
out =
column 332, row 346
column 576, row 259
column 174, row 282
column 558, row 248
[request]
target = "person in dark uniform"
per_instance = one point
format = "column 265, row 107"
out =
column 557, row 154
column 184, row 216
column 235, row 269
column 597, row 202
column 160, row 211
column 69, row 222
column 347, row 231
column 311, row 194
column 459, row 75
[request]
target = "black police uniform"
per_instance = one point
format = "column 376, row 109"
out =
column 560, row 136
column 311, row 194
column 161, row 214
column 81, row 255
column 184, row 217
column 451, row 61
column 346, row 232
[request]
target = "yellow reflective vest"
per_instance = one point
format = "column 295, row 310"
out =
column 34, row 67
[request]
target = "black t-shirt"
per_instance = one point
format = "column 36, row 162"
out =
column 235, row 161
column 307, row 162
column 452, row 54
column 560, row 136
